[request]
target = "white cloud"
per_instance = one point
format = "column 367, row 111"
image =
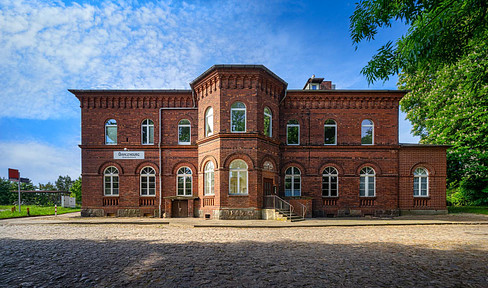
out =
column 47, row 47
column 40, row 162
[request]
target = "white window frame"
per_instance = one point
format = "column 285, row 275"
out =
column 329, row 175
column 288, row 125
column 147, row 124
column 335, row 131
column 372, row 131
column 147, row 177
column 245, row 117
column 209, row 179
column 364, row 173
column 185, row 176
column 209, row 116
column 292, row 176
column 421, row 177
column 182, row 126
column 111, row 175
column 116, row 131
column 270, row 115
column 239, row 171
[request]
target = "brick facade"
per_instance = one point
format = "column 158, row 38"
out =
column 257, row 88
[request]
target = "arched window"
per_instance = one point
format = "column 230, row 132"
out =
column 111, row 181
column 147, row 132
column 238, row 117
column 184, row 181
column 330, row 182
column 238, row 177
column 293, row 132
column 184, row 132
column 330, row 132
column 367, row 132
column 268, row 166
column 292, row 182
column 421, row 182
column 268, row 122
column 209, row 178
column 209, row 127
column 367, row 187
column 148, row 181
column 111, row 132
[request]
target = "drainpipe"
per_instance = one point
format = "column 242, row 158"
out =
column 159, row 143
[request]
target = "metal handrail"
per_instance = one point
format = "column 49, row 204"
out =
column 280, row 204
column 304, row 210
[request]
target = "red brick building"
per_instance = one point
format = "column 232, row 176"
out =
column 238, row 138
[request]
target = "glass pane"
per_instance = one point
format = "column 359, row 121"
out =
column 238, row 164
column 184, row 122
column 152, row 191
column 115, row 185
column 292, row 135
column 233, row 183
column 333, row 192
column 267, row 125
column 366, row 135
column 111, row 135
column 416, row 186
column 296, row 171
column 180, row 192
column 180, row 182
column 329, row 135
column 371, row 186
column 362, row 184
column 243, row 182
column 144, row 135
column 184, row 134
column 151, row 135
column 152, row 182
column 238, row 105
column 143, row 191
column 116, row 191
column 238, row 121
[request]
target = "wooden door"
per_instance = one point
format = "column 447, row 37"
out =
column 179, row 208
column 268, row 186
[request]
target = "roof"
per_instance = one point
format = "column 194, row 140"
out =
column 238, row 66
column 351, row 91
column 74, row 91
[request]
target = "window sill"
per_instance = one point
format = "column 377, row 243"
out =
column 110, row 195
column 237, row 132
column 330, row 197
column 330, row 144
column 148, row 144
column 184, row 143
column 147, row 196
column 421, row 197
column 367, row 197
column 238, row 195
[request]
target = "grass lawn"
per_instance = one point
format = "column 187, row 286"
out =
column 468, row 209
column 6, row 212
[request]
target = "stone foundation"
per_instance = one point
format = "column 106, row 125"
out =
column 92, row 213
column 423, row 212
column 238, row 214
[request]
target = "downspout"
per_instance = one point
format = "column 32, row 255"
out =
column 159, row 143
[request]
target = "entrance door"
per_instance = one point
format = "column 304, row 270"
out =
column 268, row 186
column 179, row 208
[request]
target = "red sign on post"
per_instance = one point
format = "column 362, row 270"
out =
column 13, row 174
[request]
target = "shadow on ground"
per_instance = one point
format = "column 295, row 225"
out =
column 86, row 263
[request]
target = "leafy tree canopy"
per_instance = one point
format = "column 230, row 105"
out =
column 63, row 183
column 443, row 60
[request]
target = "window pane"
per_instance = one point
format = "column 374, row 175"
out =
column 362, row 185
column 152, row 191
column 144, row 135
column 116, row 191
column 243, row 182
column 292, row 135
column 184, row 134
column 267, row 125
column 287, row 186
column 329, row 135
column 180, row 182
column 151, row 135
column 366, row 135
column 371, row 186
column 238, row 120
column 416, row 191
column 111, row 135
column 233, row 182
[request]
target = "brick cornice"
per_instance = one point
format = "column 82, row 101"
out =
column 342, row 100
column 135, row 100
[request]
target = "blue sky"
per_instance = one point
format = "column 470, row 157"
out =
column 47, row 47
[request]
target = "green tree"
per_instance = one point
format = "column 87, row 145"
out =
column 442, row 59
column 76, row 190
column 6, row 196
column 63, row 183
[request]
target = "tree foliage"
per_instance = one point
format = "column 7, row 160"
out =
column 443, row 60
column 63, row 183
column 76, row 190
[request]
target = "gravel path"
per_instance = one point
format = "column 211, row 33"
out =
column 171, row 256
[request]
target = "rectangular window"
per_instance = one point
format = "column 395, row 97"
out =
column 362, row 186
column 292, row 137
column 288, row 190
column 367, row 135
column 184, row 135
column 111, row 135
column 238, row 121
column 233, row 182
column 330, row 138
column 416, row 191
column 333, row 186
column 267, row 125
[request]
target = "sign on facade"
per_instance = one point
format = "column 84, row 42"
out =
column 128, row 154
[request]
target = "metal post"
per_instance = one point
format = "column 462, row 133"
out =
column 19, row 191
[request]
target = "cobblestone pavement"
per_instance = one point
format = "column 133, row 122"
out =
column 120, row 255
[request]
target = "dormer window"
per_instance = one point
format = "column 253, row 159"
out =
column 314, row 86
